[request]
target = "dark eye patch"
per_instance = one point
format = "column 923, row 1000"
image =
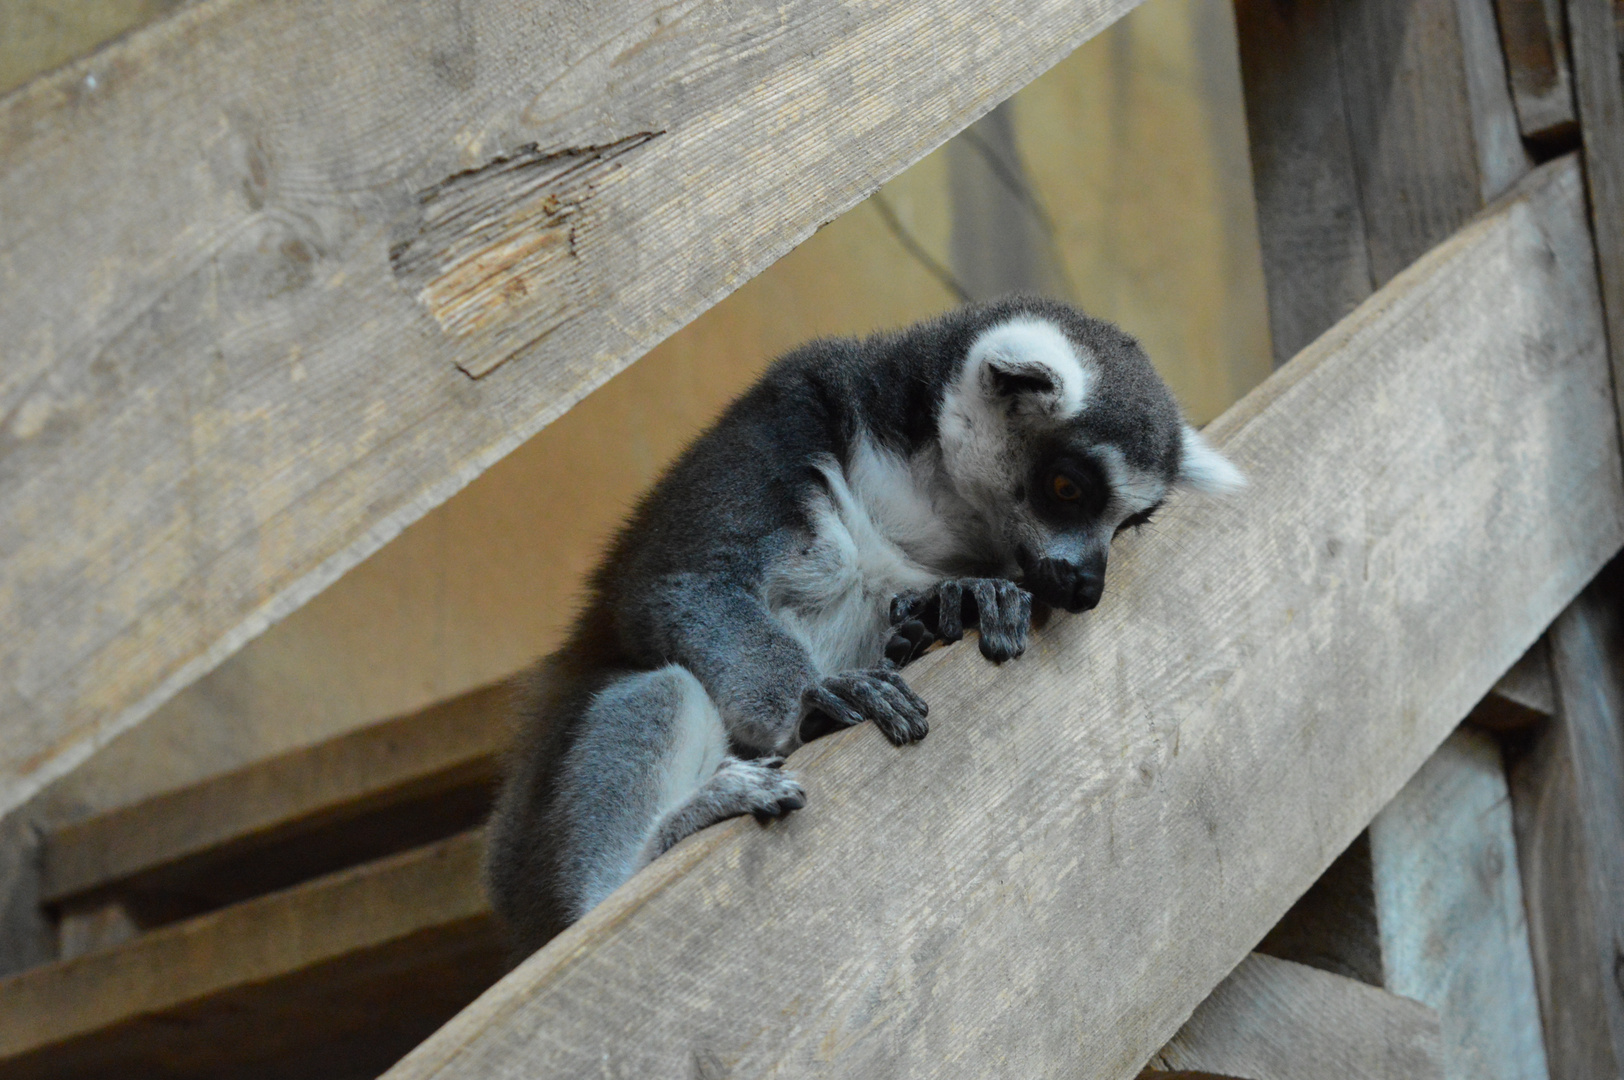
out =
column 1068, row 489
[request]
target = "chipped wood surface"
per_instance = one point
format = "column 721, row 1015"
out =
column 334, row 978
column 1275, row 1020
column 250, row 255
column 1101, row 831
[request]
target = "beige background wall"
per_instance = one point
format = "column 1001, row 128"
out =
column 1130, row 166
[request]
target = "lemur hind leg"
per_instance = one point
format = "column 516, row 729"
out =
column 650, row 766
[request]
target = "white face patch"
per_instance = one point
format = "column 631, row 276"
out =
column 1132, row 490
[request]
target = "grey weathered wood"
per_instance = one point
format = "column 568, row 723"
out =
column 265, row 822
column 1377, row 128
column 1311, row 225
column 1594, row 38
column 1524, row 696
column 1450, row 911
column 251, row 254
column 1532, row 33
column 1093, row 837
column 1410, row 124
column 1568, row 795
column 1502, row 159
column 334, row 978
column 1275, row 1020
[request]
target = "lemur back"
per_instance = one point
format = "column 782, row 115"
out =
column 863, row 500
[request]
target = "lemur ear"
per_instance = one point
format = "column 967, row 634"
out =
column 1031, row 363
column 1205, row 469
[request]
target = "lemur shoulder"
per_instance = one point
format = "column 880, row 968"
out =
column 861, row 500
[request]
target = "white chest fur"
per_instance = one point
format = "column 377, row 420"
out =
column 878, row 530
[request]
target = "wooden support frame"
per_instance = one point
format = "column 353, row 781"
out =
column 1568, row 796
column 1275, row 1020
column 1159, row 722
column 319, row 979
column 253, row 329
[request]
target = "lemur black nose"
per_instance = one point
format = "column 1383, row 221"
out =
column 1086, row 590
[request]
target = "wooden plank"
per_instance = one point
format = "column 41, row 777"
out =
column 1275, row 1020
column 389, row 786
column 1594, row 39
column 251, row 255
column 1092, row 838
column 1377, row 127
column 1525, row 695
column 1311, row 225
column 1450, row 911
column 335, row 978
column 1568, row 796
column 1532, row 33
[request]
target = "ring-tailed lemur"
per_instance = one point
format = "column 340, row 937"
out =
column 861, row 500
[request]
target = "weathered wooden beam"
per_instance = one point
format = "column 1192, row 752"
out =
column 1449, row 910
column 336, row 978
column 1599, row 91
column 1568, row 797
column 389, row 786
column 1094, row 836
column 1377, row 128
column 1275, row 1020
column 1533, row 34
column 275, row 278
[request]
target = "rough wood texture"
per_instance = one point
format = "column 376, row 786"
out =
column 1378, row 127
column 1450, row 911
column 1594, row 36
column 1099, row 833
column 1568, row 795
column 245, row 250
column 333, row 979
column 1533, row 35
column 1275, row 1020
column 383, row 788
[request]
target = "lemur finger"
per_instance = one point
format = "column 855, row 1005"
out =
column 894, row 679
column 826, row 713
column 908, row 642
column 1004, row 637
column 896, row 721
column 906, row 606
column 950, row 616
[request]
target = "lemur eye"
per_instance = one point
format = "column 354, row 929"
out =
column 1064, row 489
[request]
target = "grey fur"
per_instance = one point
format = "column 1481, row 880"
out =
column 864, row 500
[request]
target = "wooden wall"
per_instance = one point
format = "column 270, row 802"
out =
column 1128, row 163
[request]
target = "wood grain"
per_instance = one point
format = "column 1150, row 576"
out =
column 1568, row 797
column 1533, row 34
column 248, row 253
column 1599, row 92
column 1450, row 911
column 387, row 786
column 1275, row 1020
column 335, row 978
column 1092, row 838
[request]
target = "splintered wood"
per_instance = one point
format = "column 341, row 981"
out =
column 1094, row 836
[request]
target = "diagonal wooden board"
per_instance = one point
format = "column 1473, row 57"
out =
column 253, row 257
column 1093, row 836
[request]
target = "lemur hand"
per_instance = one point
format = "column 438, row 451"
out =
column 877, row 694
column 1000, row 609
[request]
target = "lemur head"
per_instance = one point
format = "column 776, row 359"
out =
column 1060, row 434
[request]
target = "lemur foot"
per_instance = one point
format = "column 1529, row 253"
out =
column 1000, row 609
column 877, row 694
column 759, row 786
